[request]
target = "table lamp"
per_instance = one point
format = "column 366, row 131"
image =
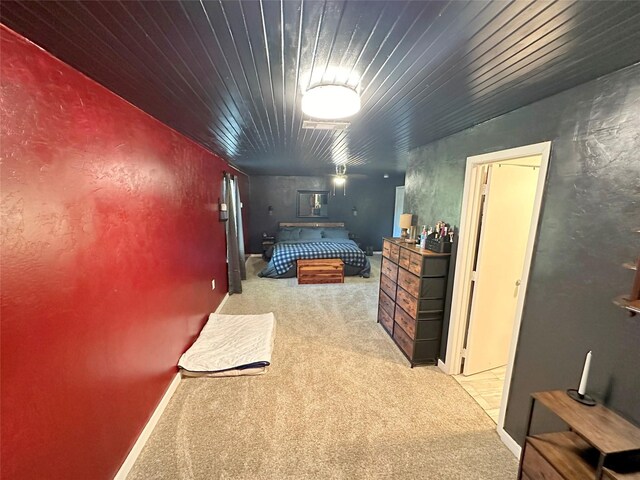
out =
column 405, row 224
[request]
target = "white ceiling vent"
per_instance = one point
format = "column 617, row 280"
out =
column 324, row 125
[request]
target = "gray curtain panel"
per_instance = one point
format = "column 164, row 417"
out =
column 240, row 229
column 233, row 254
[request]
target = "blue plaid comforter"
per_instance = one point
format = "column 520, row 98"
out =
column 285, row 254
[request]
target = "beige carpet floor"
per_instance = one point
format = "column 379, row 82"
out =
column 339, row 402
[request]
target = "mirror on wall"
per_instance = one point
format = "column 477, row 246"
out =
column 313, row 203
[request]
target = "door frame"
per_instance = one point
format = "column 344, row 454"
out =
column 464, row 265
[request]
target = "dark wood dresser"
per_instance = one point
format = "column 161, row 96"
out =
column 413, row 284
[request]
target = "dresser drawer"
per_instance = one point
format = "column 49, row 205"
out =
column 419, row 329
column 425, row 287
column 386, row 303
column 388, row 286
column 405, row 258
column 435, row 266
column 429, row 329
column 386, row 248
column 389, row 268
column 395, row 252
column 536, row 467
column 409, row 281
column 415, row 263
column 386, row 320
column 408, row 302
column 435, row 287
column 405, row 320
column 405, row 342
column 430, row 306
column 422, row 309
column 426, row 351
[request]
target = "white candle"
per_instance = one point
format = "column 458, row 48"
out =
column 585, row 375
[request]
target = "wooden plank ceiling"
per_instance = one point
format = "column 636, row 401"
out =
column 230, row 74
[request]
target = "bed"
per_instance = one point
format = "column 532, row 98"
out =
column 296, row 241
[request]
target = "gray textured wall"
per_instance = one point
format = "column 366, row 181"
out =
column 590, row 213
column 374, row 197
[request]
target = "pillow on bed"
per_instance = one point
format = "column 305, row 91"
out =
column 286, row 234
column 336, row 233
column 310, row 234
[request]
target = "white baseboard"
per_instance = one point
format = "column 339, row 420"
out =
column 146, row 431
column 151, row 424
column 224, row 300
column 443, row 366
column 509, row 442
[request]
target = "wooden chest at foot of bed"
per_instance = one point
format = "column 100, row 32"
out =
column 325, row 270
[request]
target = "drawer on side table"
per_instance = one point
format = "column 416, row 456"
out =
column 536, row 466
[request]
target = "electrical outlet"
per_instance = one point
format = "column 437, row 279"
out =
column 213, row 284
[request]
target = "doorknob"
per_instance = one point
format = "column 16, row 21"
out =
column 518, row 283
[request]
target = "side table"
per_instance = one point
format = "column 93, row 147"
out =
column 267, row 243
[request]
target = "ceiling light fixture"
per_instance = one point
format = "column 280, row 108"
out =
column 331, row 101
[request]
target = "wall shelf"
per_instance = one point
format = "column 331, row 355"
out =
column 631, row 302
column 623, row 302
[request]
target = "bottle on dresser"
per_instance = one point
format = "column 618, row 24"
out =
column 423, row 238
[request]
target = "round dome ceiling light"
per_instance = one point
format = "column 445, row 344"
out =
column 331, row 101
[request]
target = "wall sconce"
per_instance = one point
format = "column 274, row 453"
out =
column 340, row 182
column 223, row 212
column 270, row 210
column 340, row 179
column 354, row 211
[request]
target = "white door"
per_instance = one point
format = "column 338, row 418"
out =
column 398, row 210
column 504, row 232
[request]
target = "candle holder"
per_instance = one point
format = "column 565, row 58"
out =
column 583, row 399
column 580, row 395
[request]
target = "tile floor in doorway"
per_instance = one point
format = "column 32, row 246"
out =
column 486, row 389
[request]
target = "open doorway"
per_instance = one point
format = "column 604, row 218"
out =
column 501, row 204
column 398, row 210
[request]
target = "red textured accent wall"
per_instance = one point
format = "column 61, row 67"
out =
column 110, row 240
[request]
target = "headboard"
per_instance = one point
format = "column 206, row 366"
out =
column 312, row 224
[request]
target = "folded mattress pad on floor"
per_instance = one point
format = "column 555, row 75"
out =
column 231, row 345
